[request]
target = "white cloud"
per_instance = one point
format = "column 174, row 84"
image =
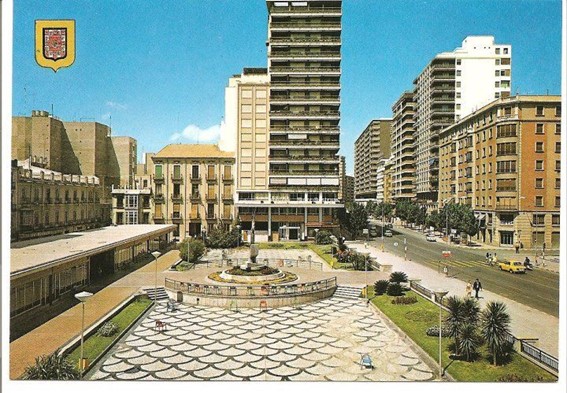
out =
column 116, row 105
column 196, row 134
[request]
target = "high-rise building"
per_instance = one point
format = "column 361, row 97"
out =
column 450, row 87
column 122, row 158
column 402, row 147
column 193, row 188
column 504, row 161
column 349, row 189
column 342, row 175
column 304, row 67
column 370, row 147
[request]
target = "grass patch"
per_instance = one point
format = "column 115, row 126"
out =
column 414, row 319
column 95, row 345
column 283, row 246
column 324, row 251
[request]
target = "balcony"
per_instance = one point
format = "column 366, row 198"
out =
column 286, row 26
column 306, row 10
column 176, row 198
column 211, row 197
column 227, row 217
column 305, row 70
column 211, row 178
column 195, row 197
column 196, row 179
column 506, row 207
column 227, row 197
column 158, row 217
column 211, row 216
column 315, row 84
column 227, row 179
column 176, row 178
column 176, row 216
column 158, row 179
column 195, row 216
column 159, row 198
column 306, row 114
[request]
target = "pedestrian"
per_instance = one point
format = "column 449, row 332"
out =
column 517, row 247
column 477, row 286
column 487, row 258
column 469, row 289
column 446, row 270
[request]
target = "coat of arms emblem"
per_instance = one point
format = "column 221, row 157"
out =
column 55, row 43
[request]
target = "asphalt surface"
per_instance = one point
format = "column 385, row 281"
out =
column 538, row 288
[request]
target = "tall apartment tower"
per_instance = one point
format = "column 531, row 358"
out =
column 453, row 85
column 370, row 147
column 402, row 147
column 304, row 66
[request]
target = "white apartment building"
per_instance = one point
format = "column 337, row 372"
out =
column 453, row 85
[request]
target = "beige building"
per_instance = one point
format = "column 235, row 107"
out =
column 304, row 67
column 131, row 206
column 504, row 161
column 193, row 188
column 122, row 156
column 349, row 189
column 450, row 87
column 370, row 147
column 402, row 148
column 46, row 202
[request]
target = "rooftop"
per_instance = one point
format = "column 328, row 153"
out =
column 192, row 151
column 30, row 255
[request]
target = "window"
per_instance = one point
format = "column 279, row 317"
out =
column 539, row 147
column 497, row 95
column 538, row 219
column 506, row 167
column 458, row 84
column 558, row 111
column 246, row 93
column 539, row 165
column 489, row 150
column 539, row 110
column 506, row 185
column 557, row 201
column 558, row 147
column 195, row 171
column 558, row 182
column 496, row 84
column 539, row 201
column 558, row 129
column 539, row 182
column 508, row 111
column 260, row 93
column 506, row 148
column 261, row 108
column 497, row 73
column 497, row 61
column 497, row 51
column 246, row 109
column 506, row 130
column 555, row 220
column 505, row 51
column 539, row 128
column 246, row 123
column 505, row 61
column 458, row 94
column 558, row 165
column 158, row 171
column 458, row 61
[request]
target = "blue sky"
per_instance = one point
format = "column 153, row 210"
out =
column 153, row 69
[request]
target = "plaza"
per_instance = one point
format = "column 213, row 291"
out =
column 320, row 341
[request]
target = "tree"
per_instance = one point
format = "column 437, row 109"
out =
column 191, row 250
column 455, row 319
column 359, row 261
column 323, row 237
column 471, row 311
column 370, row 207
column 357, row 219
column 434, row 220
column 380, row 287
column 384, row 209
column 51, row 367
column 398, row 277
column 220, row 238
column 469, row 341
column 495, row 328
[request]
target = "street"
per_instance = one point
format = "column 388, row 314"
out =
column 538, row 289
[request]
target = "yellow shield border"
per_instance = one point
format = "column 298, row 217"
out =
column 69, row 58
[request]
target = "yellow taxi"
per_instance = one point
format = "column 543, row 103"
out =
column 512, row 266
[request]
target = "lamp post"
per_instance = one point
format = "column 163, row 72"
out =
column 383, row 225
column 156, row 255
column 82, row 297
column 238, row 239
column 439, row 294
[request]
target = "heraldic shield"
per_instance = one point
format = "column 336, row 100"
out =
column 55, row 43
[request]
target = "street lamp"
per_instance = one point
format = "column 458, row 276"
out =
column 239, row 234
column 439, row 294
column 82, row 297
column 156, row 255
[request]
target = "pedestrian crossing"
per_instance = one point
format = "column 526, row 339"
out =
column 459, row 263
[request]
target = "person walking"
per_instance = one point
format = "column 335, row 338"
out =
column 517, row 247
column 468, row 289
column 477, row 286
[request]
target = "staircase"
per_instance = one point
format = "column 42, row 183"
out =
column 159, row 294
column 348, row 292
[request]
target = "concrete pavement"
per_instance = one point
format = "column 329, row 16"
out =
column 526, row 322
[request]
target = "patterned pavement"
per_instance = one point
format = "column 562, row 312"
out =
column 321, row 341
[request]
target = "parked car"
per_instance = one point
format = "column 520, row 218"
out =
column 430, row 238
column 512, row 266
column 388, row 233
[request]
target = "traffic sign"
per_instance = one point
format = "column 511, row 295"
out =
column 446, row 254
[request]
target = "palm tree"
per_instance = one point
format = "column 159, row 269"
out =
column 495, row 328
column 469, row 340
column 51, row 367
column 471, row 311
column 455, row 319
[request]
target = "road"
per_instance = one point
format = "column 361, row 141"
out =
column 538, row 289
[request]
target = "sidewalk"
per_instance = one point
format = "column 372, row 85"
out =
column 526, row 322
column 58, row 331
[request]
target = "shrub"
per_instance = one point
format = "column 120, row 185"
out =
column 53, row 367
column 518, row 378
column 394, row 289
column 398, row 277
column 434, row 331
column 323, row 237
column 219, row 238
column 108, row 329
column 404, row 300
column 342, row 247
column 381, row 286
column 181, row 267
column 191, row 250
